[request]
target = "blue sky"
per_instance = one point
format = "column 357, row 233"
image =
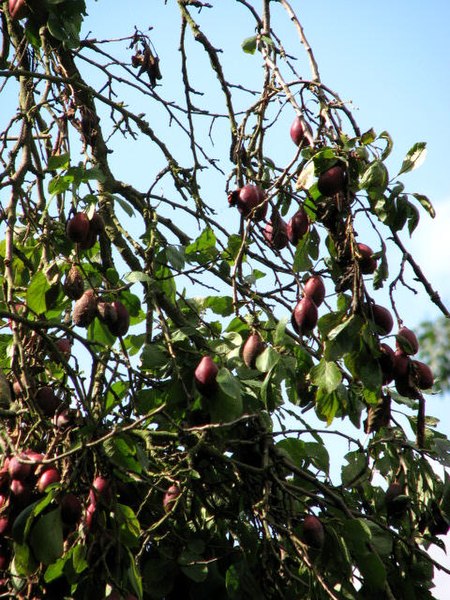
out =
column 391, row 60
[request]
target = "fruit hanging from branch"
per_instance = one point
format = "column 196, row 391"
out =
column 297, row 131
column 382, row 319
column 297, row 226
column 422, row 375
column 313, row 533
column 252, row 348
column 250, row 201
column 170, row 496
column 205, row 376
column 275, row 232
column 406, row 341
column 315, row 289
column 85, row 309
column 367, row 263
column 332, row 181
column 305, row 315
column 77, row 228
column 18, row 9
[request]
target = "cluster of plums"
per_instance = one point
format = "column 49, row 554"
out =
column 49, row 404
column 251, row 202
column 23, row 479
column 87, row 306
column 84, row 231
column 100, row 495
column 408, row 374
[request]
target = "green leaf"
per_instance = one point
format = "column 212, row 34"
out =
column 373, row 571
column 197, row 572
column 314, row 243
column 381, row 539
column 46, row 537
column 220, row 305
column 127, row 209
column 55, row 570
column 249, row 44
column 368, row 137
column 375, row 178
column 233, row 248
column 302, row 262
column 59, row 184
column 229, row 384
column 414, row 157
column 295, row 449
column 413, row 217
column 267, row 360
column 98, row 332
column 138, row 276
column 326, row 375
column 279, row 335
column 232, row 581
column 134, row 576
column 356, row 469
column 267, row 40
column 165, row 280
column 75, row 557
column 318, row 455
column 363, row 366
column 24, row 520
column 327, row 405
column 306, row 178
column 357, row 534
column 59, row 161
column 384, row 135
column 154, row 356
column 24, row 564
column 121, row 450
column 129, row 528
column 441, row 447
column 324, row 159
column 223, row 407
column 343, row 338
column 425, row 202
column 36, row 291
column 175, row 257
column 201, row 248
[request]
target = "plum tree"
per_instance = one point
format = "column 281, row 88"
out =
column 174, row 374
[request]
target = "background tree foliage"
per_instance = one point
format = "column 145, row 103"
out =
column 126, row 470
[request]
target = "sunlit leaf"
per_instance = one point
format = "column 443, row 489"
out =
column 415, row 157
column 249, row 44
column 426, row 203
column 326, row 375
